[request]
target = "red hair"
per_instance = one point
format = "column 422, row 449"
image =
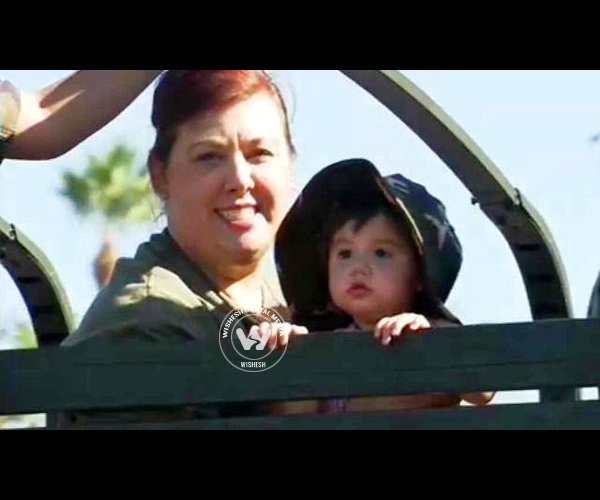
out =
column 183, row 94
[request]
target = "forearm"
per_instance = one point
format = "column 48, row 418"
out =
column 292, row 407
column 54, row 120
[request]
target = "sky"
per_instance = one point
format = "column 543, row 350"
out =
column 536, row 126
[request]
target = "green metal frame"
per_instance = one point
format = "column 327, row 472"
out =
column 553, row 356
column 553, row 416
column 38, row 284
column 143, row 380
column 521, row 225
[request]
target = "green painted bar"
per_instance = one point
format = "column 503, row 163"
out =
column 553, row 416
column 499, row 357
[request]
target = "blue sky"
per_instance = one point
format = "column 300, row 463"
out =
column 534, row 125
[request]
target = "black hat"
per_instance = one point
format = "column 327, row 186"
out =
column 302, row 276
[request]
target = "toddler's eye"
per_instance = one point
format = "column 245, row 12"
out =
column 380, row 252
column 344, row 254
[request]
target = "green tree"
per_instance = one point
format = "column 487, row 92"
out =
column 113, row 188
column 25, row 337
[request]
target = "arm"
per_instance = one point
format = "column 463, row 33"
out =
column 54, row 120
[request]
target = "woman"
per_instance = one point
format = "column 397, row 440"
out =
column 221, row 164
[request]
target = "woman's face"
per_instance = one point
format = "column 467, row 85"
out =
column 227, row 184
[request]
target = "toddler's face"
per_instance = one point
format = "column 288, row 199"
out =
column 373, row 272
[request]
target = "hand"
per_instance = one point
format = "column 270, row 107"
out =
column 275, row 334
column 388, row 328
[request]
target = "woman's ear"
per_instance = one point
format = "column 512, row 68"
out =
column 158, row 176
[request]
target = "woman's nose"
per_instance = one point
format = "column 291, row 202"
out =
column 241, row 176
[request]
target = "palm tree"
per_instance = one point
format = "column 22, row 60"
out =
column 113, row 188
column 25, row 337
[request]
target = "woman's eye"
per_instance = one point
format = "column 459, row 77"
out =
column 261, row 154
column 208, row 156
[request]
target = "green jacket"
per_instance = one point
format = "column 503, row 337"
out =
column 159, row 295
